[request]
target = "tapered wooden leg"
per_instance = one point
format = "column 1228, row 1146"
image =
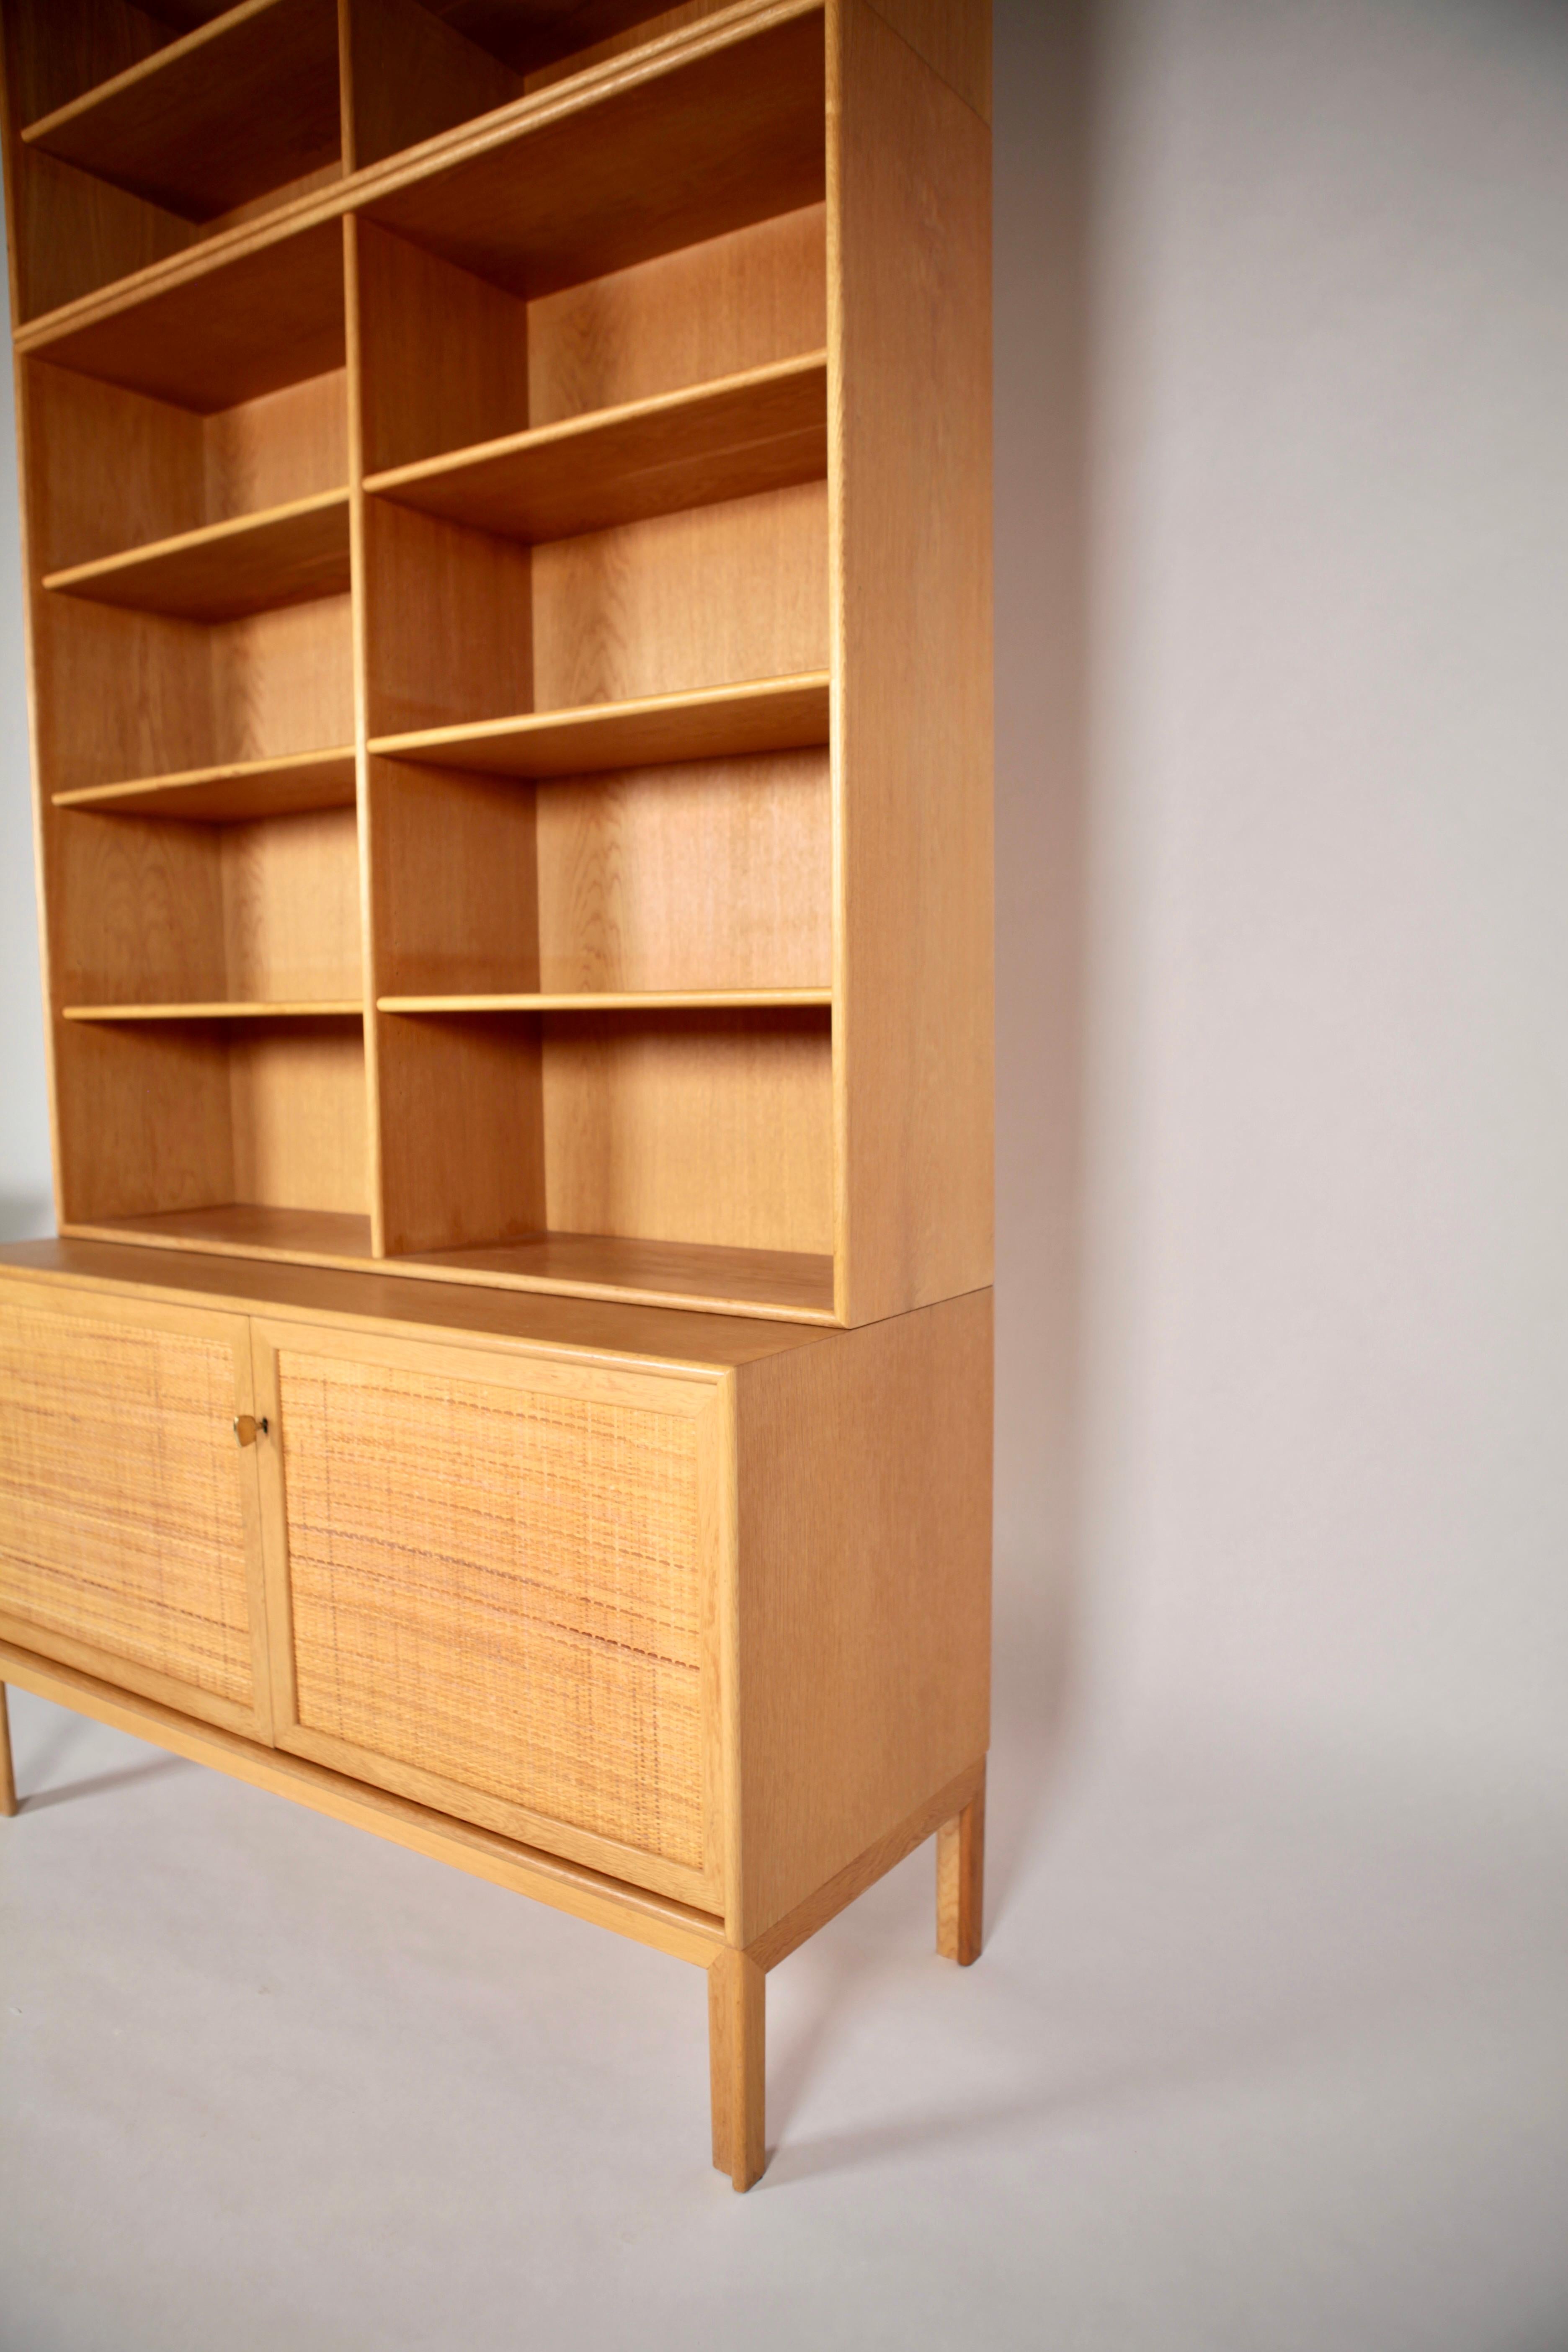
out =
column 737, row 2041
column 960, row 1882
column 7, row 1775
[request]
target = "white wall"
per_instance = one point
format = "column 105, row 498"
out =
column 1325, row 1337
column 1282, row 557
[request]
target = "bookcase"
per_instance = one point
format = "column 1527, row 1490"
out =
column 506, row 525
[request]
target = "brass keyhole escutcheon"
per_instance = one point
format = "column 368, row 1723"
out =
column 247, row 1429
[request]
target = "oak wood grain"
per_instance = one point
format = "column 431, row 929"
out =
column 960, row 1882
column 243, row 104
column 737, row 2020
column 911, row 591
column 289, row 555
column 864, row 1476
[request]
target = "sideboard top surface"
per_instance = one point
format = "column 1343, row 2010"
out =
column 665, row 1336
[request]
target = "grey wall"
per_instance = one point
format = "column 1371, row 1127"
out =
column 1322, row 1364
column 1283, row 514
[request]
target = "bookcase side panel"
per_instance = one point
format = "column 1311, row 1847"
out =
column 910, row 410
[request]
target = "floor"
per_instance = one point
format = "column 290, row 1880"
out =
column 1264, row 2053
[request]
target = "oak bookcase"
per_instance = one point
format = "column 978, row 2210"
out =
column 507, row 530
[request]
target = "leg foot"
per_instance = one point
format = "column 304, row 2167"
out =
column 960, row 1882
column 736, row 2047
column 8, row 1776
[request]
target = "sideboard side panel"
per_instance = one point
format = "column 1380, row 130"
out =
column 864, row 1639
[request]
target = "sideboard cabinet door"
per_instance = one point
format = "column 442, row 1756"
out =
column 129, row 1512
column 494, row 1587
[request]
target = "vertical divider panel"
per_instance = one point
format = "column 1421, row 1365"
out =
column 371, row 945
column 346, row 86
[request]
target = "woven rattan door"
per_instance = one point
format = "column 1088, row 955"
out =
column 495, row 1588
column 129, row 1511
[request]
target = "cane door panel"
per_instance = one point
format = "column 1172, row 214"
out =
column 128, row 1516
column 494, row 1586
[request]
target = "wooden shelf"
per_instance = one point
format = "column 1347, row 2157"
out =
column 776, row 714
column 266, row 314
column 778, row 1285
column 688, row 1000
column 698, row 140
column 286, row 555
column 765, row 429
column 238, row 1229
column 334, row 1009
column 784, row 1284
column 235, row 794
column 237, row 108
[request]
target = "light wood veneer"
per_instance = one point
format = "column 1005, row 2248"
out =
column 506, row 499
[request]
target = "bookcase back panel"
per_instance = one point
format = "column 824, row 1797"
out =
column 283, row 681
column 708, row 597
column 146, row 911
column 291, row 912
column 740, row 300
column 448, row 623
column 162, row 1116
column 289, row 444
column 191, row 695
column 136, row 912
column 297, row 1099
column 713, row 874
column 454, row 881
column 111, row 469
column 712, row 1127
column 162, row 718
column 462, row 1133
column 145, row 1119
